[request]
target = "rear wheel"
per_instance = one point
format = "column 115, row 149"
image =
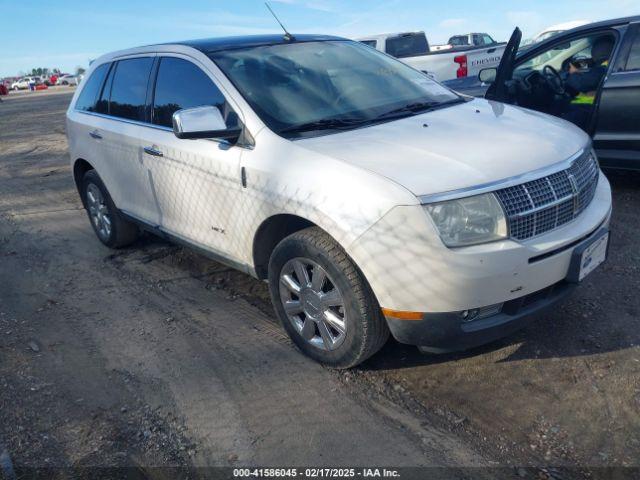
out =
column 109, row 225
column 323, row 301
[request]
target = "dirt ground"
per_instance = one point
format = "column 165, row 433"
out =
column 154, row 356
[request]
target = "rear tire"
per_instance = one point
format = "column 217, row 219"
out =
column 111, row 228
column 347, row 325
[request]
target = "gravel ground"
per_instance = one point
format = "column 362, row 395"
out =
column 155, row 356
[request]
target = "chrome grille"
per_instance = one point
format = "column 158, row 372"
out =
column 541, row 205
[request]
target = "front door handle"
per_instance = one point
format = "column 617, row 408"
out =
column 153, row 151
column 95, row 134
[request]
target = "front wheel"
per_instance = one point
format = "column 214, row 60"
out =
column 323, row 300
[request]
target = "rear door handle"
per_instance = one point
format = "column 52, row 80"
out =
column 95, row 134
column 152, row 151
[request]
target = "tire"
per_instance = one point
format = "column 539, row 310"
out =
column 343, row 305
column 107, row 222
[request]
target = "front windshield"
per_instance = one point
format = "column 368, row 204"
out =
column 296, row 84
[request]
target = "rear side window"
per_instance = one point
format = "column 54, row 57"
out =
column 407, row 46
column 89, row 95
column 633, row 62
column 181, row 84
column 458, row 41
column 370, row 43
column 129, row 88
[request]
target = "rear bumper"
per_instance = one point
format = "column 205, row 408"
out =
column 447, row 332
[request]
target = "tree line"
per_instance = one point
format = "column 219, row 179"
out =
column 50, row 71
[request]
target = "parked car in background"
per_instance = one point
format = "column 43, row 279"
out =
column 23, row 83
column 70, row 80
column 589, row 75
column 466, row 40
column 554, row 30
column 371, row 198
column 472, row 39
column 413, row 49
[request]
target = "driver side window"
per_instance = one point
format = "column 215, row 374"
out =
column 181, row 84
column 577, row 52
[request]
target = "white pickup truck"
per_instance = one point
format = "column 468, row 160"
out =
column 413, row 49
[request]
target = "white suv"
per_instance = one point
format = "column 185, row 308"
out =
column 371, row 198
column 22, row 83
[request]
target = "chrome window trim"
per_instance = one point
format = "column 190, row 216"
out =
column 504, row 183
column 125, row 120
column 156, row 127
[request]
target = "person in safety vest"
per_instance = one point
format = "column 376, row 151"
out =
column 582, row 85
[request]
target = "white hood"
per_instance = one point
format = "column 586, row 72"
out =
column 456, row 147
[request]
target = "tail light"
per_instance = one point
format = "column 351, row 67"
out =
column 462, row 71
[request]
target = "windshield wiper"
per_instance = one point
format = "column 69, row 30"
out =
column 347, row 123
column 418, row 107
column 324, row 124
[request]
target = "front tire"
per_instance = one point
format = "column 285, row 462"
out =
column 323, row 300
column 109, row 225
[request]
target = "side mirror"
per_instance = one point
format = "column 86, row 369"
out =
column 488, row 75
column 203, row 122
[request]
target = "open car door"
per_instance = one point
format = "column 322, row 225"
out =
column 499, row 89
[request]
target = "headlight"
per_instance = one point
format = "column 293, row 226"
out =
column 469, row 221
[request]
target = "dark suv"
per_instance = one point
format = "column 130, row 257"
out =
column 589, row 75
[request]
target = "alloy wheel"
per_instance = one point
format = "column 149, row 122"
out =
column 98, row 211
column 313, row 303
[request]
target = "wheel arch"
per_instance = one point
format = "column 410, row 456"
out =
column 271, row 232
column 80, row 168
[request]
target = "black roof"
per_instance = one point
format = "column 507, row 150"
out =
column 208, row 45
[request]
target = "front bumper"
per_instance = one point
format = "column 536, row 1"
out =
column 410, row 270
column 447, row 332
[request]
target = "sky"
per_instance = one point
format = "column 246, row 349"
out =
column 68, row 33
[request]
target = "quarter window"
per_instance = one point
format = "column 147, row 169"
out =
column 181, row 84
column 633, row 62
column 129, row 89
column 91, row 90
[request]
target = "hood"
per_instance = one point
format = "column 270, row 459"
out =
column 456, row 147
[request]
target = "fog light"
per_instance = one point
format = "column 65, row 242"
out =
column 470, row 315
column 478, row 313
